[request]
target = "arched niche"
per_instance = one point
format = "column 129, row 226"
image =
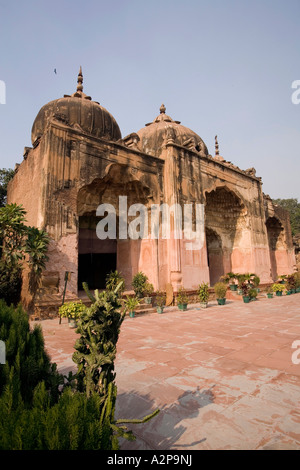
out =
column 226, row 227
column 96, row 257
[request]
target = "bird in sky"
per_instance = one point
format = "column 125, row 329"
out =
column 55, row 71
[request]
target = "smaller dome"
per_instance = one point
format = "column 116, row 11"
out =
column 78, row 111
column 154, row 135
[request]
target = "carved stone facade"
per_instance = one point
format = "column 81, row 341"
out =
column 79, row 161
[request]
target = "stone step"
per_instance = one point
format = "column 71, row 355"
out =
column 143, row 311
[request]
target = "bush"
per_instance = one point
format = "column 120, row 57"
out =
column 182, row 297
column 203, row 292
column 252, row 293
column 148, row 289
column 161, row 298
column 113, row 279
column 229, row 278
column 27, row 363
column 277, row 287
column 72, row 310
column 138, row 283
column 291, row 282
column 70, row 424
column 131, row 303
column 34, row 413
column 220, row 290
column 10, row 283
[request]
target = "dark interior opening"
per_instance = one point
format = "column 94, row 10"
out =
column 94, row 267
column 96, row 258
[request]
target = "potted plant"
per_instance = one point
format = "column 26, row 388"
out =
column 291, row 284
column 203, row 294
column 255, row 281
column 148, row 290
column 113, row 279
column 246, row 283
column 241, row 279
column 253, row 294
column 220, row 290
column 182, row 299
column 130, row 305
column 297, row 281
column 281, row 279
column 245, row 291
column 72, row 311
column 160, row 301
column 231, row 279
column 138, row 283
column 269, row 293
column 278, row 288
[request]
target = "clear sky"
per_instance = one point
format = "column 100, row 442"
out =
column 221, row 67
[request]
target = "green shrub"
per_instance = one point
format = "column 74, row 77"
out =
column 10, row 283
column 148, row 289
column 291, row 282
column 182, row 297
column 113, row 279
column 27, row 363
column 161, row 298
column 278, row 287
column 71, row 310
column 131, row 303
column 138, row 283
column 38, row 411
column 220, row 289
column 203, row 292
column 252, row 293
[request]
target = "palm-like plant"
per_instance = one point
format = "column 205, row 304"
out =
column 113, row 279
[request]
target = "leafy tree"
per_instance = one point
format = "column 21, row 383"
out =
column 18, row 240
column 293, row 207
column 6, row 174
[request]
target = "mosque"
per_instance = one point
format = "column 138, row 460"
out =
column 79, row 160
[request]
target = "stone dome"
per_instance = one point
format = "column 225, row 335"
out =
column 163, row 129
column 78, row 111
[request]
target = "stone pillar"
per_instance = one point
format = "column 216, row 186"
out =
column 172, row 198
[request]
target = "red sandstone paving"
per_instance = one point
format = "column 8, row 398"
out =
column 222, row 377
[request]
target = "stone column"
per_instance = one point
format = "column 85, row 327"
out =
column 172, row 198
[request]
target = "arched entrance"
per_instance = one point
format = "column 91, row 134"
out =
column 225, row 224
column 214, row 255
column 276, row 241
column 97, row 258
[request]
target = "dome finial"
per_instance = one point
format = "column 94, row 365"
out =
column 216, row 145
column 162, row 109
column 79, row 81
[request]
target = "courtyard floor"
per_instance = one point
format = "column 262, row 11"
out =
column 223, row 377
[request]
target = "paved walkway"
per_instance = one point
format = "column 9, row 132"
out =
column 223, row 377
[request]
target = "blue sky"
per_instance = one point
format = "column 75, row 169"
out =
column 220, row 67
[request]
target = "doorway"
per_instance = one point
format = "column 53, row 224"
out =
column 96, row 258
